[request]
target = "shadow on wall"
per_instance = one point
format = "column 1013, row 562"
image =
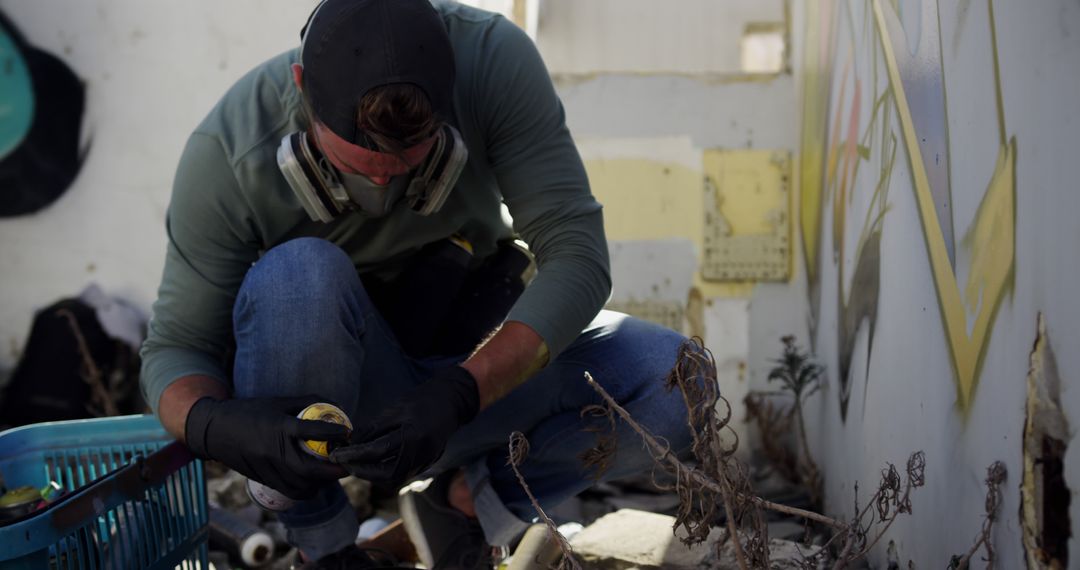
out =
column 41, row 111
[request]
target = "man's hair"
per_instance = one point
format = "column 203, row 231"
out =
column 394, row 117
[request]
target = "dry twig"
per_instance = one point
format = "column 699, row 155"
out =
column 995, row 476
column 518, row 451
column 661, row 452
column 599, row 457
column 700, row 491
column 893, row 498
column 774, row 424
column 719, row 478
column 102, row 399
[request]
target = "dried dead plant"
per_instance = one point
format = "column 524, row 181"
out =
column 713, row 444
column 996, row 474
column 598, row 458
column 774, row 424
column 104, row 394
column 870, row 522
column 719, row 479
column 518, row 449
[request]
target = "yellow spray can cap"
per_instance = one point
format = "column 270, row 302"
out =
column 325, row 413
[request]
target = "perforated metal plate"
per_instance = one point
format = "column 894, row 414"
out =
column 747, row 215
column 665, row 313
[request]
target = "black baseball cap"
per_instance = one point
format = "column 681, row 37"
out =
column 351, row 46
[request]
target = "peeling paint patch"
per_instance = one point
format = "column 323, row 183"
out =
column 695, row 314
column 747, row 215
column 1044, row 496
column 664, row 313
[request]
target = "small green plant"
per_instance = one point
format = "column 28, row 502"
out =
column 799, row 377
column 796, row 371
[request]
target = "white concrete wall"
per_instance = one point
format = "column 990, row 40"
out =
column 152, row 71
column 906, row 392
column 649, row 87
column 638, row 83
column 684, row 36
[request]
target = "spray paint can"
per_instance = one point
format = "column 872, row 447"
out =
column 18, row 502
column 274, row 500
column 268, row 498
column 324, row 413
column 245, row 541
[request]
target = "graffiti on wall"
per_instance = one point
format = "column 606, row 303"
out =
column 41, row 110
column 875, row 83
column 857, row 151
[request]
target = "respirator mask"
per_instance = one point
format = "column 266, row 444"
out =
column 325, row 192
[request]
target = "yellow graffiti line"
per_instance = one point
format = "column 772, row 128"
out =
column 833, row 165
column 993, row 259
column 832, row 160
column 814, row 136
column 992, row 241
column 997, row 74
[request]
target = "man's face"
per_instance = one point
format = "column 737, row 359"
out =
column 379, row 167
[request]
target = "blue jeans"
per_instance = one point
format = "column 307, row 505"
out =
column 305, row 325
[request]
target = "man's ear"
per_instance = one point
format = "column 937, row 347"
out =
column 298, row 75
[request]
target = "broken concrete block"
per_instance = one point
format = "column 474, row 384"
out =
column 629, row 539
column 637, row 539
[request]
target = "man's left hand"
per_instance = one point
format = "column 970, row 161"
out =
column 408, row 438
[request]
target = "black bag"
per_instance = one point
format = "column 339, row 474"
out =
column 71, row 369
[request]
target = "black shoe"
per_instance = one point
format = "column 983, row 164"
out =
column 443, row 536
column 347, row 558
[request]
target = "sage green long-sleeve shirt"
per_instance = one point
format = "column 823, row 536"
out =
column 230, row 202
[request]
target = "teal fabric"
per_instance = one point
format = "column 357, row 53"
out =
column 230, row 202
column 16, row 96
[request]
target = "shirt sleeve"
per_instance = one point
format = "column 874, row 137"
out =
column 544, row 185
column 207, row 257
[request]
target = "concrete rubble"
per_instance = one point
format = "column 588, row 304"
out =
column 626, row 524
column 630, row 539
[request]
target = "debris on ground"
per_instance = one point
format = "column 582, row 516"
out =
column 637, row 539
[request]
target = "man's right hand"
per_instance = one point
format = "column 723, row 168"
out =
column 260, row 438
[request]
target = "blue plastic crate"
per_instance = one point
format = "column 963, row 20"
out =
column 136, row 499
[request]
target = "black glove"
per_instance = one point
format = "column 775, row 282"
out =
column 410, row 436
column 260, row 438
